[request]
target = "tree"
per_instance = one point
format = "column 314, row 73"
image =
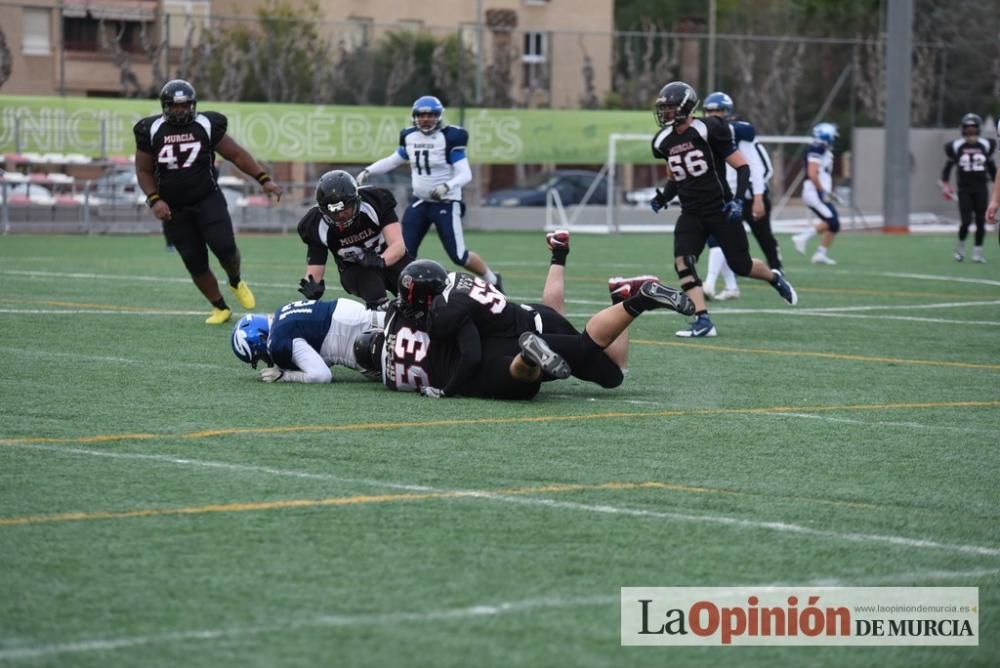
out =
column 6, row 61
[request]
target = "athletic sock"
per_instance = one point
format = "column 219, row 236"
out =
column 220, row 304
column 702, row 313
column 821, row 250
column 489, row 276
column 234, row 282
column 807, row 233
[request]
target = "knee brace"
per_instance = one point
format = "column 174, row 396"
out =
column 689, row 275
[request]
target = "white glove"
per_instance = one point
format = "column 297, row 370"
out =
column 362, row 177
column 431, row 392
column 271, row 374
column 439, row 192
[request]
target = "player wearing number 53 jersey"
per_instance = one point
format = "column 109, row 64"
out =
column 175, row 167
column 696, row 151
column 439, row 168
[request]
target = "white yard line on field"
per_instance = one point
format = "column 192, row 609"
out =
column 869, row 423
column 46, row 354
column 455, row 614
column 932, row 277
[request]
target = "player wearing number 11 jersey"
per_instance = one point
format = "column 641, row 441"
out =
column 696, row 151
column 175, row 167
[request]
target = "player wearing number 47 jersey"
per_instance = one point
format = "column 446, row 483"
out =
column 697, row 151
column 175, row 167
column 439, row 168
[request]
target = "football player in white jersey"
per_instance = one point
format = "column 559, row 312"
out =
column 439, row 168
column 817, row 193
column 300, row 341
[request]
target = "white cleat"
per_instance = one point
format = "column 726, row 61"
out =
column 799, row 242
column 728, row 294
column 822, row 259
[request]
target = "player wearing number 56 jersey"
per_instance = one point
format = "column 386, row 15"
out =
column 175, row 167
column 697, row 151
column 436, row 152
column 973, row 155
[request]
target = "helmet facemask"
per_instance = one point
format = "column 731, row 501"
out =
column 341, row 214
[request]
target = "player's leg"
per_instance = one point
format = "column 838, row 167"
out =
column 183, row 232
column 689, row 239
column 217, row 228
column 979, row 202
column 715, row 262
column 762, row 232
column 390, row 275
column 415, row 224
column 965, row 213
column 447, row 219
column 554, row 292
column 812, row 200
column 736, row 247
column 363, row 282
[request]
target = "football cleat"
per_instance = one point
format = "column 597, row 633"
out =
column 621, row 293
column 728, row 294
column 558, row 240
column 499, row 282
column 977, row 256
column 243, row 294
column 671, row 298
column 709, row 293
column 633, row 282
column 536, row 350
column 219, row 316
column 799, row 242
column 784, row 288
column 701, row 327
column 822, row 258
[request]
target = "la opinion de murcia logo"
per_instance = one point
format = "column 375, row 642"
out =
column 335, row 207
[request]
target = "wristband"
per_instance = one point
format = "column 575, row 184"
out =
column 262, row 178
column 152, row 199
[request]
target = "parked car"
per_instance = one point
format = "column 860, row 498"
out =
column 27, row 193
column 571, row 184
column 643, row 196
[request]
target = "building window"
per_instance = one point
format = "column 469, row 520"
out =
column 36, row 31
column 84, row 34
column 536, row 2
column 357, row 33
column 534, row 60
column 183, row 17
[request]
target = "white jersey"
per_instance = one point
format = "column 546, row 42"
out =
column 822, row 155
column 432, row 158
column 745, row 138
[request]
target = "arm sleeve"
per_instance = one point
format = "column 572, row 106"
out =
column 670, row 190
column 720, row 137
column 314, row 369
column 470, row 355
column 387, row 164
column 946, row 172
column 142, row 140
column 656, row 150
column 462, row 174
column 742, row 182
column 756, row 167
column 316, row 252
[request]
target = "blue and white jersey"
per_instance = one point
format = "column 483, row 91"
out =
column 327, row 327
column 822, row 155
column 432, row 157
column 761, row 169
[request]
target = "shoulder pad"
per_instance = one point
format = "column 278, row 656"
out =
column 743, row 131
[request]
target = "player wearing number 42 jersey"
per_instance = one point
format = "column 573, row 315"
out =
column 696, row 151
column 973, row 155
column 175, row 167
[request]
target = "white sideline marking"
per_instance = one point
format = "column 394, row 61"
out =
column 133, row 279
column 946, row 321
column 932, row 277
column 64, row 311
column 742, row 523
column 441, row 615
column 914, row 425
column 99, row 358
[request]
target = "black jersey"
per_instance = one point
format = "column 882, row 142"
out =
column 469, row 298
column 411, row 359
column 974, row 160
column 697, row 161
column 378, row 209
column 184, row 155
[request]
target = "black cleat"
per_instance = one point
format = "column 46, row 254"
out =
column 499, row 282
column 670, row 298
column 536, row 350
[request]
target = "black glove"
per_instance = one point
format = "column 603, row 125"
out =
column 310, row 289
column 659, row 201
column 372, row 260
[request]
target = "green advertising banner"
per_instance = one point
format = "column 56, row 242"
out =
column 316, row 133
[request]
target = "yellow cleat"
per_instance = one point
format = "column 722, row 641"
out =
column 243, row 294
column 219, row 316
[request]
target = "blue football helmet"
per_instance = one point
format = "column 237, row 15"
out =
column 719, row 101
column 825, row 133
column 428, row 104
column 250, row 339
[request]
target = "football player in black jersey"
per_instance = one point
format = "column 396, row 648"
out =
column 360, row 227
column 696, row 151
column 175, row 167
column 974, row 156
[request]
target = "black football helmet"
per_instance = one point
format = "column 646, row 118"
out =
column 368, row 351
column 178, row 92
column 337, row 198
column 973, row 121
column 674, row 104
column 419, row 283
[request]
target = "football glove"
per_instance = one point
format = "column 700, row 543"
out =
column 362, row 177
column 310, row 289
column 439, row 192
column 658, row 202
column 372, row 260
column 432, row 392
column 271, row 374
column 733, row 210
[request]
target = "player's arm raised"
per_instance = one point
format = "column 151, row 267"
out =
column 239, row 156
